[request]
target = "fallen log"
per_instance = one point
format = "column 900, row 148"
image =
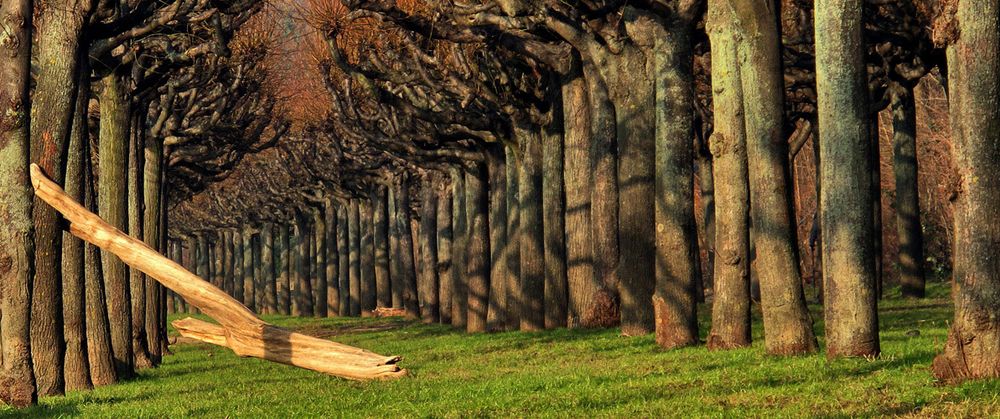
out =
column 239, row 328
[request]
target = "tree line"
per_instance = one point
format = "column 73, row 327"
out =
column 108, row 97
column 561, row 140
column 495, row 165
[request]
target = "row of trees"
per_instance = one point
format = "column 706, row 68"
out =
column 107, row 97
column 568, row 136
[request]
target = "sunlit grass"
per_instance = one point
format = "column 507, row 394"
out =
column 558, row 373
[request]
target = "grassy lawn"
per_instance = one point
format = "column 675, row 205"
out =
column 559, row 373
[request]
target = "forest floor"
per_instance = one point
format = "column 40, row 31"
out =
column 563, row 373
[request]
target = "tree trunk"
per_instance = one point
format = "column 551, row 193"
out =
column 153, row 192
column 113, row 207
column 137, row 281
column 445, row 235
column 787, row 323
column 368, row 297
column 52, row 110
column 972, row 349
column 632, row 92
column 556, row 295
column 239, row 282
column 17, row 379
column 430, row 309
column 395, row 265
column 478, row 247
column 676, row 259
column 332, row 261
column 417, row 260
column 229, row 263
column 604, row 311
column 460, row 290
column 904, row 168
column 343, row 258
column 77, row 368
column 731, row 305
column 380, row 220
column 354, row 234
column 409, row 274
column 513, row 252
column 304, row 285
column 283, row 282
column 531, row 310
column 582, row 283
column 248, row 294
column 850, row 296
column 496, row 316
column 267, row 264
column 320, row 306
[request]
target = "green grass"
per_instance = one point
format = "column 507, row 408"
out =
column 558, row 373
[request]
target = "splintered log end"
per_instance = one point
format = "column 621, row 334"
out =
column 279, row 345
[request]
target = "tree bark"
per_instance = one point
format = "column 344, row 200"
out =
column 248, row 291
column 239, row 282
column 354, row 234
column 904, row 168
column 430, row 307
column 395, row 264
column 17, row 379
column 77, row 368
column 496, row 316
column 52, row 110
column 409, row 274
column 283, row 282
column 368, row 296
column 343, row 258
column 513, row 251
column 267, row 255
column 153, row 192
column 113, row 206
column 477, row 258
column 460, row 290
column 320, row 306
column 582, row 283
column 531, row 310
column 973, row 346
column 556, row 294
column 303, row 289
column 787, row 323
column 676, row 258
column 850, row 296
column 332, row 261
column 632, row 92
column 445, row 235
column 137, row 281
column 731, row 305
column 605, row 310
column 380, row 220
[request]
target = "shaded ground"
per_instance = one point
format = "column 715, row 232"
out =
column 560, row 373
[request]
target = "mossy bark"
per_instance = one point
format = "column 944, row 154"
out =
column 112, row 200
column 787, row 323
column 849, row 281
column 731, row 306
column 17, row 379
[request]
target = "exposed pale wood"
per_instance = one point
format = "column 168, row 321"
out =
column 240, row 328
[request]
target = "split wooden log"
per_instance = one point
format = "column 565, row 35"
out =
column 240, row 329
